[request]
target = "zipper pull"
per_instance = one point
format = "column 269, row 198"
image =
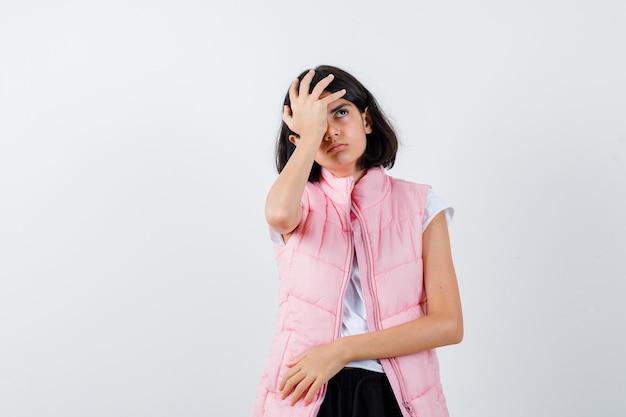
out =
column 407, row 405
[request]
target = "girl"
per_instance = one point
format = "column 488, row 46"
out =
column 367, row 284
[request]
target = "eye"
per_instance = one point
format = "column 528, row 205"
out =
column 341, row 113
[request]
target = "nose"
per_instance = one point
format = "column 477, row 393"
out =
column 331, row 132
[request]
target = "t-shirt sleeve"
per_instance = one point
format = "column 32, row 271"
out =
column 276, row 237
column 435, row 205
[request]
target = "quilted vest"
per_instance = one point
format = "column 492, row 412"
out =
column 380, row 219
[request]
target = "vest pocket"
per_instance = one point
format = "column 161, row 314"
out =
column 276, row 361
column 431, row 403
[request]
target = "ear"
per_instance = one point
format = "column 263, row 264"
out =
column 367, row 121
column 294, row 139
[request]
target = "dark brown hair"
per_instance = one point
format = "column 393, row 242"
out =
column 382, row 143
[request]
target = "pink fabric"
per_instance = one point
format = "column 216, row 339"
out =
column 382, row 217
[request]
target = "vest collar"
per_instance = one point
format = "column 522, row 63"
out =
column 369, row 190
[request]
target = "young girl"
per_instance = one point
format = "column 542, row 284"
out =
column 367, row 284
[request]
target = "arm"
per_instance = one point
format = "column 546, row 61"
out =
column 308, row 117
column 444, row 323
column 442, row 326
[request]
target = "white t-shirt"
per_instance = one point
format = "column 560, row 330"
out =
column 354, row 319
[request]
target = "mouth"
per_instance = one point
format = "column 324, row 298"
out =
column 336, row 147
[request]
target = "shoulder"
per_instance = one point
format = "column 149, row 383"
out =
column 431, row 203
column 402, row 183
column 409, row 189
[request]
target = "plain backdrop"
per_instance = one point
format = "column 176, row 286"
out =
column 137, row 277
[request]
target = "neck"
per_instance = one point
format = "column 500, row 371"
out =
column 356, row 174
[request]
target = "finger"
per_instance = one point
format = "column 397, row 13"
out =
column 301, row 388
column 293, row 90
column 289, row 374
column 321, row 85
column 334, row 96
column 305, row 84
column 295, row 360
column 287, row 116
column 291, row 384
column 313, row 390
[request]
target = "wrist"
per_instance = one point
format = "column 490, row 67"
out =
column 312, row 136
column 345, row 349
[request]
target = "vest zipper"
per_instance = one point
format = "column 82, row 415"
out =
column 405, row 402
column 374, row 310
column 339, row 318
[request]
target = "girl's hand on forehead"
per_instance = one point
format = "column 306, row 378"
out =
column 307, row 115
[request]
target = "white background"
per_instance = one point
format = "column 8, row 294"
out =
column 136, row 147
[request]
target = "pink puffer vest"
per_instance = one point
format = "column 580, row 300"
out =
column 382, row 217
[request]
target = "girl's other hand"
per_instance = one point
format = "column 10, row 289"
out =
column 309, row 371
column 307, row 115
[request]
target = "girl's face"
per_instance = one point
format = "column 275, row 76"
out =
column 344, row 141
